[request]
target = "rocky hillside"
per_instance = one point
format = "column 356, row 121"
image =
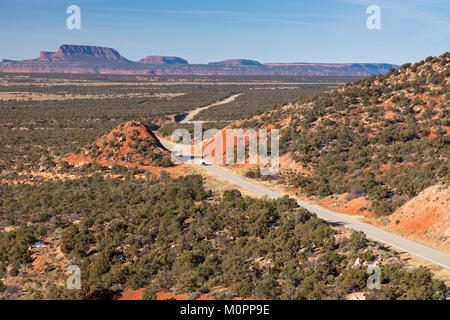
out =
column 131, row 143
column 385, row 137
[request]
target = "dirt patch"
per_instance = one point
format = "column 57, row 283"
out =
column 355, row 207
column 425, row 218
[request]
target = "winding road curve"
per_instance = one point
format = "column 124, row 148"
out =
column 195, row 112
column 419, row 250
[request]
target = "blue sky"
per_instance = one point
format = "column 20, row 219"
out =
column 207, row 30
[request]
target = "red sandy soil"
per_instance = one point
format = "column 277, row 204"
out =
column 389, row 115
column 425, row 217
column 339, row 203
column 284, row 121
column 388, row 167
column 130, row 294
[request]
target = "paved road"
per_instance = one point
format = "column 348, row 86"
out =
column 195, row 112
column 414, row 248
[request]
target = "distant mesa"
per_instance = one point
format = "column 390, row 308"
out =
column 386, row 66
column 163, row 60
column 237, row 62
column 307, row 64
column 71, row 58
column 68, row 52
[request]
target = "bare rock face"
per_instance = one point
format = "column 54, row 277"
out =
column 163, row 60
column 237, row 62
